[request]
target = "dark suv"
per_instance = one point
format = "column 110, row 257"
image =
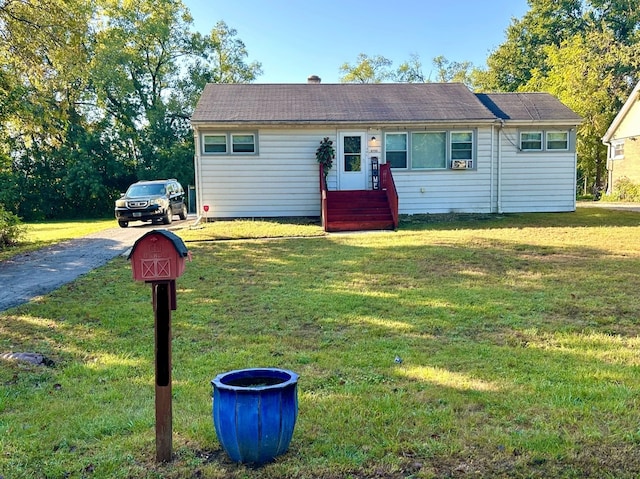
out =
column 156, row 200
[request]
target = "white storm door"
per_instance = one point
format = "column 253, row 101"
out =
column 352, row 171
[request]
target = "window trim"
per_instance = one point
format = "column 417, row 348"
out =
column 243, row 133
column 406, row 150
column 617, row 150
column 529, row 132
column 229, row 136
column 448, row 148
column 204, row 144
column 571, row 141
column 546, row 140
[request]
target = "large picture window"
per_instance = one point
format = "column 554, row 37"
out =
column 429, row 150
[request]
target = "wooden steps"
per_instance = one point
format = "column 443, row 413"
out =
column 358, row 211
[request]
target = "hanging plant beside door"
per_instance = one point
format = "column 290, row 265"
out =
column 325, row 154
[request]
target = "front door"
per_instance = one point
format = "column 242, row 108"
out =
column 351, row 161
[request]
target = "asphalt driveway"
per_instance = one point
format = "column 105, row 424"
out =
column 30, row 275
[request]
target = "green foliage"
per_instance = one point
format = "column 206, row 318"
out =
column 584, row 52
column 11, row 228
column 374, row 69
column 96, row 95
column 325, row 155
column 625, row 190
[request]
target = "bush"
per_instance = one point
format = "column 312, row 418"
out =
column 625, row 190
column 11, row 228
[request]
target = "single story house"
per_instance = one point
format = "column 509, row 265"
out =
column 623, row 142
column 446, row 148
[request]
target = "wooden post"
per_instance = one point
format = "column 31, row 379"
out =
column 162, row 306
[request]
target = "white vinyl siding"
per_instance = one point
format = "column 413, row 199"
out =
column 283, row 180
column 534, row 181
column 444, row 190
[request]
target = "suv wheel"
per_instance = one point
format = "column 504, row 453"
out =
column 183, row 212
column 123, row 224
column 168, row 217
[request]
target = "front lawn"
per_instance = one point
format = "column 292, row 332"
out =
column 518, row 335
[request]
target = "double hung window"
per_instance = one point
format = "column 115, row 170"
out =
column 225, row 143
column 544, row 141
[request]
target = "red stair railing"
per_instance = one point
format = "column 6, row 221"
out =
column 387, row 184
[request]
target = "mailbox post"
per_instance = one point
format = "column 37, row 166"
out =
column 158, row 258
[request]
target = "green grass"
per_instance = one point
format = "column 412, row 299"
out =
column 38, row 235
column 252, row 229
column 519, row 335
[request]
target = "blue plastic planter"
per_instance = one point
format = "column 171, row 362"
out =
column 254, row 412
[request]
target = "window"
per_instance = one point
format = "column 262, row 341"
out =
column 215, row 143
column 531, row 141
column 557, row 140
column 428, row 150
column 352, row 153
column 617, row 150
column 396, row 149
column 243, row 143
column 462, row 145
column 229, row 143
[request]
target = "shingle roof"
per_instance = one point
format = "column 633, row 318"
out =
column 335, row 103
column 369, row 103
column 527, row 107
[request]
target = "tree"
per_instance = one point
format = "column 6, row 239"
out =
column 411, row 71
column 367, row 70
column 548, row 22
column 95, row 94
column 592, row 74
column 448, row 71
column 583, row 51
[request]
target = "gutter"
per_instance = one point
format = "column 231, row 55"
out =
column 499, row 166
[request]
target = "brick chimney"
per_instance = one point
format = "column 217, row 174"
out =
column 314, row 79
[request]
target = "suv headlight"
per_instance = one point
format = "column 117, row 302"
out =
column 159, row 202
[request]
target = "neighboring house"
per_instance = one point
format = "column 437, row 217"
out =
column 623, row 142
column 449, row 150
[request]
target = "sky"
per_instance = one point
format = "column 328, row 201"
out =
column 293, row 39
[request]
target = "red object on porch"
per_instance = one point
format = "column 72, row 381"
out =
column 363, row 209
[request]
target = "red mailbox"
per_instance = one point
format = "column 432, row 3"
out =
column 159, row 255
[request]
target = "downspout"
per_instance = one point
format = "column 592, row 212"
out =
column 609, row 166
column 197, row 166
column 499, row 166
column 491, row 170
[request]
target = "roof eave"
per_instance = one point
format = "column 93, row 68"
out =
column 633, row 97
column 243, row 123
